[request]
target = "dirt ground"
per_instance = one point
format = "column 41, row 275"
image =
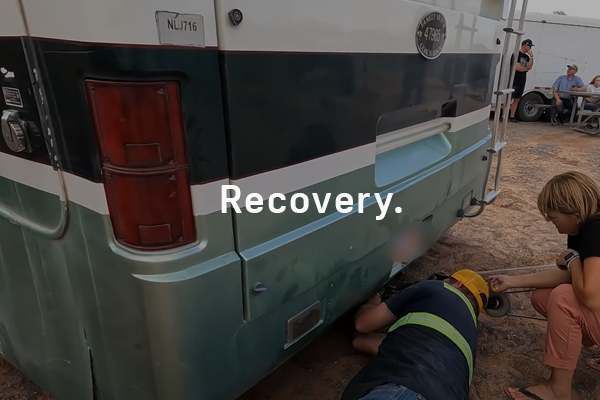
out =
column 509, row 234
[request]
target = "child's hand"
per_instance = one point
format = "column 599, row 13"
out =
column 499, row 283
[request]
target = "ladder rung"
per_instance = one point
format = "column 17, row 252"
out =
column 491, row 196
column 512, row 30
column 504, row 91
column 497, row 147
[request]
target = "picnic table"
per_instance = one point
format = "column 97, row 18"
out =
column 583, row 115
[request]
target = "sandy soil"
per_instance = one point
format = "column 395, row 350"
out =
column 509, row 234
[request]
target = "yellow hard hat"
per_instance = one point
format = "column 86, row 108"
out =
column 476, row 285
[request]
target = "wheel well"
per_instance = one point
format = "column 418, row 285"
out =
column 540, row 113
column 543, row 95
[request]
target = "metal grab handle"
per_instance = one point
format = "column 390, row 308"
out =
column 402, row 137
column 40, row 94
column 51, row 233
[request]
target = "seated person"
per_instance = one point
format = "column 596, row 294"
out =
column 593, row 103
column 429, row 351
column 564, row 102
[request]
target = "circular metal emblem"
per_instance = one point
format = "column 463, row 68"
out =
column 431, row 35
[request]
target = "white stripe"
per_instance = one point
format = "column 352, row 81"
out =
column 86, row 193
column 387, row 26
column 299, row 176
column 111, row 21
column 207, row 197
column 42, row 177
column 373, row 26
column 11, row 23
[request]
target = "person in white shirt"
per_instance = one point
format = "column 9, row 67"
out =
column 594, row 87
column 593, row 103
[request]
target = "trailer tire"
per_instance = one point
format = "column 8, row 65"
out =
column 527, row 110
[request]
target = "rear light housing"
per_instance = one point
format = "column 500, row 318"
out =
column 140, row 135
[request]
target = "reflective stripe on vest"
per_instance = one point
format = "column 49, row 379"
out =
column 440, row 325
column 462, row 296
column 444, row 327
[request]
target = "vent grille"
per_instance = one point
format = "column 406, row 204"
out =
column 303, row 322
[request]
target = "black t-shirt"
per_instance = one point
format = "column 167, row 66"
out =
column 520, row 76
column 421, row 358
column 587, row 240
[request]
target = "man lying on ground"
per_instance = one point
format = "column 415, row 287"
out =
column 429, row 351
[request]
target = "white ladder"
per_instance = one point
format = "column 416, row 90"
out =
column 498, row 140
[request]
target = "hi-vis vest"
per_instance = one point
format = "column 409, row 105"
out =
column 442, row 326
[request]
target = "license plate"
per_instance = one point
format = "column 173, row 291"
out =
column 180, row 29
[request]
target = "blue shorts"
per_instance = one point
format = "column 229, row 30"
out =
column 392, row 391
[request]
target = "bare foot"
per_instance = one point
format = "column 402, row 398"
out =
column 538, row 392
column 594, row 363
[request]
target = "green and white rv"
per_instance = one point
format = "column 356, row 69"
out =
column 124, row 273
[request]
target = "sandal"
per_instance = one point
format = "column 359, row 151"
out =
column 593, row 363
column 525, row 392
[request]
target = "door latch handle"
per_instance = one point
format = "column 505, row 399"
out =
column 259, row 288
column 14, row 132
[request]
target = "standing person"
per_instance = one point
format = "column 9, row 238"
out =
column 429, row 351
column 568, row 296
column 523, row 65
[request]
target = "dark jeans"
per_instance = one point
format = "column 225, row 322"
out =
column 591, row 107
column 391, row 391
column 563, row 111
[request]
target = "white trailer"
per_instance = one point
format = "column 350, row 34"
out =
column 559, row 40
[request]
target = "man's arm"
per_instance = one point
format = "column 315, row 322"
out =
column 555, row 95
column 580, row 86
column 375, row 315
column 518, row 65
column 530, row 63
column 555, row 87
column 521, row 68
column 546, row 279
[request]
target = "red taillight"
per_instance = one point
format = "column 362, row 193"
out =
column 142, row 148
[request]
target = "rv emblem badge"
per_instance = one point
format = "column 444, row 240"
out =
column 431, row 35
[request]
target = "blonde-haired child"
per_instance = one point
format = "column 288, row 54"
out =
column 568, row 296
